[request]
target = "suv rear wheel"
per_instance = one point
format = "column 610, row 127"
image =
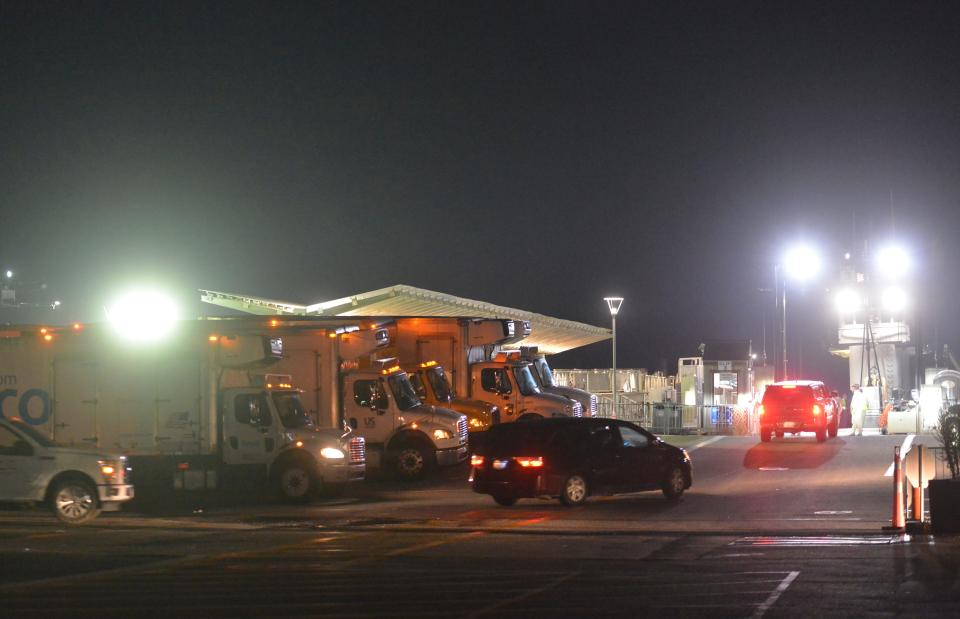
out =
column 765, row 435
column 821, row 434
column 505, row 500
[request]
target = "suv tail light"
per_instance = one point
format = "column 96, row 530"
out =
column 535, row 463
column 817, row 410
column 761, row 410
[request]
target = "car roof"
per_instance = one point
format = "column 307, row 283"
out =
column 798, row 383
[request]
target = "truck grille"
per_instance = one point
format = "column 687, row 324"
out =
column 462, row 428
column 358, row 450
column 593, row 405
column 577, row 409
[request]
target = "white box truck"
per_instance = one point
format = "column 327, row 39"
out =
column 466, row 348
column 543, row 373
column 192, row 411
column 347, row 378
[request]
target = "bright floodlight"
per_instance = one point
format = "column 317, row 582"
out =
column 893, row 261
column 614, row 304
column 9, row 274
column 801, row 263
column 894, row 299
column 143, row 315
column 848, row 301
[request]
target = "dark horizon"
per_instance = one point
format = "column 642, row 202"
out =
column 538, row 155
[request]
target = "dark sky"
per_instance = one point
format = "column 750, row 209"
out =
column 540, row 155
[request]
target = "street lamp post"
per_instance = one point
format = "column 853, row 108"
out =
column 800, row 263
column 614, row 304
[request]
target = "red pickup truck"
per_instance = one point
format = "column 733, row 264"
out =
column 797, row 406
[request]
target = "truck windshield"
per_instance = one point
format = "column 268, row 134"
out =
column 525, row 380
column 31, row 432
column 545, row 373
column 403, row 392
column 441, row 386
column 292, row 415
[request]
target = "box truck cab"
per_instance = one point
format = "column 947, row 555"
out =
column 410, row 436
column 77, row 484
column 432, row 385
column 510, row 385
column 267, row 426
column 544, row 375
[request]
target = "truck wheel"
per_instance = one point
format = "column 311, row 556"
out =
column 821, row 434
column 74, row 501
column 834, row 428
column 574, row 491
column 505, row 500
column 765, row 435
column 673, row 484
column 411, row 461
column 529, row 417
column 296, row 483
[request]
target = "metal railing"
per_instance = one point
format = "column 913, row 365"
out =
column 661, row 418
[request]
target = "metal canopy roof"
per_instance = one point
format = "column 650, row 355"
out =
column 551, row 335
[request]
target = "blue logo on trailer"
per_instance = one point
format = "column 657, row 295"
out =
column 23, row 407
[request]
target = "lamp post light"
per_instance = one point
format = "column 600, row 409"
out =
column 801, row 263
column 614, row 304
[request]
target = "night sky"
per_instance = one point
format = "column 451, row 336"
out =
column 539, row 155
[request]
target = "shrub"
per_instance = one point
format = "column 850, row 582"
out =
column 948, row 433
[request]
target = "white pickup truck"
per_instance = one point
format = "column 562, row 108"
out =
column 76, row 484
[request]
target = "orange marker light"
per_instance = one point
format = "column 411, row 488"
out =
column 274, row 322
column 48, row 337
column 77, row 326
column 476, row 460
column 530, row 462
column 213, row 338
column 43, row 330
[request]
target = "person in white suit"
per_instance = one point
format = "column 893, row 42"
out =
column 858, row 409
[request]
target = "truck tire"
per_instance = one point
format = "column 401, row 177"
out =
column 530, row 417
column 296, row 482
column 412, row 460
column 821, row 434
column 74, row 501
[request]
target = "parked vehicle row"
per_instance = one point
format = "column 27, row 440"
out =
column 301, row 405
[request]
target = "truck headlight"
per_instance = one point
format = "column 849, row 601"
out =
column 331, row 453
column 441, row 435
column 108, row 469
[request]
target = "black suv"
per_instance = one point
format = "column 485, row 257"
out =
column 575, row 457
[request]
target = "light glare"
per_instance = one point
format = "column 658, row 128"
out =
column 847, row 301
column 894, row 299
column 893, row 261
column 143, row 315
column 801, row 263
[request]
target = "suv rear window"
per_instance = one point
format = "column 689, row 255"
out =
column 786, row 395
column 519, row 437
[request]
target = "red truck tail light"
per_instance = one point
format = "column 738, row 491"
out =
column 533, row 463
column 817, row 410
column 476, row 460
column 761, row 410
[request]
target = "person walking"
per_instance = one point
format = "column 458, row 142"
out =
column 858, row 409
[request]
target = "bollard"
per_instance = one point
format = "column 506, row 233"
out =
column 897, row 522
column 917, row 513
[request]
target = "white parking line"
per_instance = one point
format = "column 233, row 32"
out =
column 903, row 453
column 770, row 601
column 712, row 439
